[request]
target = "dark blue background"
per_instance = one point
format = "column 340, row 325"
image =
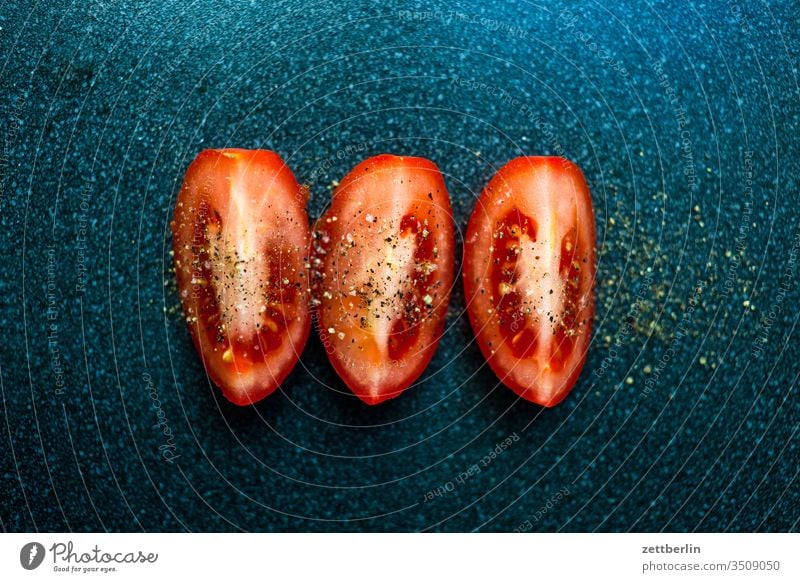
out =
column 684, row 118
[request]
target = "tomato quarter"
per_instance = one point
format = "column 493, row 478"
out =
column 384, row 267
column 529, row 270
column 240, row 238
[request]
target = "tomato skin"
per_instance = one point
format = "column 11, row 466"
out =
column 383, row 262
column 240, row 241
column 529, row 271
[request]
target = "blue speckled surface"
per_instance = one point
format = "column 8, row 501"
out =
column 684, row 120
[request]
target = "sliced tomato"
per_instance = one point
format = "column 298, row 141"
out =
column 240, row 238
column 384, row 268
column 529, row 270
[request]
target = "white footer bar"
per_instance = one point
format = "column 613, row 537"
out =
column 400, row 557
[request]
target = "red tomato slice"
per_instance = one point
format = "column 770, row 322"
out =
column 384, row 268
column 240, row 235
column 529, row 270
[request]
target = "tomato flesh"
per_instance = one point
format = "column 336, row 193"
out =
column 384, row 269
column 529, row 272
column 240, row 235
